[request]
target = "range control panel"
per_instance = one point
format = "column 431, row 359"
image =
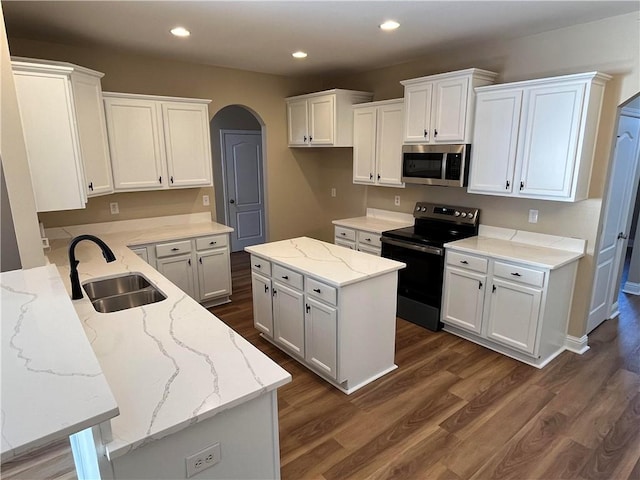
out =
column 446, row 212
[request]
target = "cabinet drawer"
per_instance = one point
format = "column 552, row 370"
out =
column 464, row 260
column 211, row 241
column 173, row 248
column 322, row 291
column 370, row 250
column 287, row 276
column 261, row 265
column 345, row 233
column 368, row 238
column 518, row 274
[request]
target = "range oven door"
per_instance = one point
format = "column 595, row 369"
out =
column 420, row 283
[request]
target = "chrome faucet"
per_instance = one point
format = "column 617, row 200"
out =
column 76, row 291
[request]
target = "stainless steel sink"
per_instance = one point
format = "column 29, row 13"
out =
column 121, row 293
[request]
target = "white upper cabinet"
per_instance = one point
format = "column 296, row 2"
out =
column 439, row 108
column 323, row 119
column 65, row 135
column 536, row 139
column 377, row 143
column 158, row 142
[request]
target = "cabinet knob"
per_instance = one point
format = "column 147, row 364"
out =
column 425, row 133
column 305, row 138
column 371, row 176
column 200, row 260
column 171, row 179
column 521, row 185
column 368, row 239
column 274, row 292
column 91, row 186
column 308, row 308
column 175, row 249
column 464, row 262
column 232, row 201
column 516, row 274
column 310, row 138
column 343, row 234
column 258, row 265
column 493, row 290
column 479, row 285
column 160, row 179
column 189, row 262
column 266, row 288
column 508, row 185
column 286, row 277
column 212, row 243
column 435, row 133
column 317, row 290
column 378, row 176
column 621, row 235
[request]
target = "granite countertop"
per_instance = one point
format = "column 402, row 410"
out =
column 169, row 364
column 538, row 250
column 52, row 383
column 377, row 221
column 333, row 264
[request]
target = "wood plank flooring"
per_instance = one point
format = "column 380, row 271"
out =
column 452, row 410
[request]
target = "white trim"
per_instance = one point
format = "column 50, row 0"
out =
column 577, row 345
column 632, row 288
column 157, row 98
column 615, row 311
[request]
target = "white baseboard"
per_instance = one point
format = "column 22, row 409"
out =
column 576, row 345
column 632, row 288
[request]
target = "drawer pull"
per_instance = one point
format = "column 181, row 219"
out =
column 308, row 308
column 317, row 290
column 286, row 277
column 266, row 288
column 175, row 249
column 493, row 290
column 368, row 239
column 200, row 260
column 516, row 274
column 258, row 265
column 479, row 285
column 464, row 262
column 343, row 234
column 212, row 243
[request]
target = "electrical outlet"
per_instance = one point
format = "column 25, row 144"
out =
column 205, row 200
column 533, row 216
column 333, row 192
column 114, row 208
column 202, row 460
column 396, row 200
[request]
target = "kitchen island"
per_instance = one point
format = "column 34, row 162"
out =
column 331, row 308
column 183, row 380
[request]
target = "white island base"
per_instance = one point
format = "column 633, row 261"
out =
column 248, row 448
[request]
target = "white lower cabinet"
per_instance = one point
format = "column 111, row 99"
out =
column 179, row 270
column 360, row 240
column 200, row 266
column 288, row 318
column 515, row 309
column 325, row 328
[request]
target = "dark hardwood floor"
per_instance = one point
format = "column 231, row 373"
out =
column 452, row 410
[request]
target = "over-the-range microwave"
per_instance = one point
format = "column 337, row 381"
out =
column 445, row 165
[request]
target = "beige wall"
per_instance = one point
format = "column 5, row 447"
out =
column 294, row 186
column 15, row 165
column 609, row 45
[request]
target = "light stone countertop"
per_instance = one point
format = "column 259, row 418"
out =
column 52, row 383
column 538, row 250
column 377, row 221
column 169, row 364
column 333, row 264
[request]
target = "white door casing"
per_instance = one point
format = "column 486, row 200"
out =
column 244, row 186
column 609, row 259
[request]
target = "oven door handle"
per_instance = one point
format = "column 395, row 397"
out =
column 411, row 246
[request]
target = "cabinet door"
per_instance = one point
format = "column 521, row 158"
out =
column 417, row 112
column 142, row 253
column 179, row 270
column 321, row 336
column 187, row 143
column 92, row 132
column 288, row 318
column 495, row 141
column 298, row 122
column 135, row 141
column 463, row 299
column 214, row 274
column 389, row 145
column 550, row 133
column 322, row 114
column 51, row 140
column 364, row 145
column 262, row 308
column 450, row 110
column 513, row 315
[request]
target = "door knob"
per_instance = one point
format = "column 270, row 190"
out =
column 622, row 235
column 232, row 201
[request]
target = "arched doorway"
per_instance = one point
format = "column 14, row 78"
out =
column 239, row 174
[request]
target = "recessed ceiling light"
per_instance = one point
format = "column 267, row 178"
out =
column 299, row 54
column 389, row 25
column 180, row 32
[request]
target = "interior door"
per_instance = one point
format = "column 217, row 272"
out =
column 244, row 187
column 615, row 230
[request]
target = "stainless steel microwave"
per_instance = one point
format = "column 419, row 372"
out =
column 445, row 165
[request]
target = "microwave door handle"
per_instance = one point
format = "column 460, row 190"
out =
column 443, row 173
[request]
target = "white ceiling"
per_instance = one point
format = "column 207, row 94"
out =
column 339, row 36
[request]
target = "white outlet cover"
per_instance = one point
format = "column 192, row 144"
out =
column 396, row 200
column 205, row 458
column 114, row 208
column 533, row 216
column 205, row 200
